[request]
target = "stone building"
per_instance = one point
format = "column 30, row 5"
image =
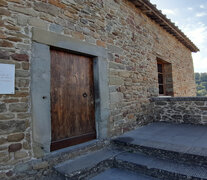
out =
column 85, row 69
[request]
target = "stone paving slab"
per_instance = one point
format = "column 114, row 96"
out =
column 163, row 165
column 52, row 177
column 85, row 161
column 183, row 138
column 120, row 174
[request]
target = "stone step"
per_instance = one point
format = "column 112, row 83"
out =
column 159, row 168
column 120, row 174
column 87, row 165
column 159, row 150
column 178, row 142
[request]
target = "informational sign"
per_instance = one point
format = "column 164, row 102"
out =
column 7, row 77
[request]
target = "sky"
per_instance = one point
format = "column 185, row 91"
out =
column 191, row 17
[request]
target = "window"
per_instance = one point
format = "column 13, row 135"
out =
column 165, row 82
column 161, row 78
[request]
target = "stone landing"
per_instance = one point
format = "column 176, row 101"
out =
column 156, row 151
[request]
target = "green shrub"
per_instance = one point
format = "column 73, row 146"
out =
column 201, row 84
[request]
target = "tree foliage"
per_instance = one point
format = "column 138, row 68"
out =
column 201, row 83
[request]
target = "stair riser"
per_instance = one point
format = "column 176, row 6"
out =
column 88, row 173
column 163, row 154
column 156, row 173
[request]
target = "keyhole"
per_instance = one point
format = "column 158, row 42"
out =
column 44, row 97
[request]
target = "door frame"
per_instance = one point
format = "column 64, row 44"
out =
column 40, row 84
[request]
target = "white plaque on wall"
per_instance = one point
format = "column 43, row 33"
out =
column 7, row 77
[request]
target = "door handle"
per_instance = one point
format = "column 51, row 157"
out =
column 85, row 95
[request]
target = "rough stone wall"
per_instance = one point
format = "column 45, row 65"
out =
column 15, row 128
column 133, row 42
column 190, row 110
column 181, row 59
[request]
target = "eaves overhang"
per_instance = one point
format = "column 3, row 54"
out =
column 156, row 15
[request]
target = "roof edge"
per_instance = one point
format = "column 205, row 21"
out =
column 156, row 15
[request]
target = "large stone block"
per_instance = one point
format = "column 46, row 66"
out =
column 20, row 57
column 18, row 107
column 26, row 146
column 22, row 20
column 101, row 43
column 12, row 126
column 4, row 43
column 204, row 120
column 125, row 74
column 25, row 66
column 15, row 137
column 4, row 12
column 3, row 3
column 21, row 94
column 114, row 80
column 115, row 49
column 23, row 10
column 46, row 17
column 20, row 154
column 23, row 115
column 14, row 39
column 59, row 4
column 199, row 103
column 68, row 2
column 161, row 103
column 203, row 108
column 6, row 116
column 4, row 54
column 22, row 167
column 4, row 147
column 114, row 65
column 22, row 73
column 56, row 28
column 192, row 119
column 78, row 35
column 15, row 147
column 40, row 165
column 3, row 108
column 177, row 117
column 22, row 82
column 116, row 97
column 47, row 8
column 38, row 23
column 2, row 140
column 4, row 157
column 11, row 100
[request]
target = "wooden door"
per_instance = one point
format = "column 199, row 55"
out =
column 72, row 99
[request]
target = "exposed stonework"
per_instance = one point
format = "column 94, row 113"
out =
column 133, row 43
column 44, row 167
column 181, row 110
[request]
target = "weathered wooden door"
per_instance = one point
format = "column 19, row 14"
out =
column 72, row 99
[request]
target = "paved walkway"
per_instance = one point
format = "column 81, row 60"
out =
column 184, row 138
column 185, row 155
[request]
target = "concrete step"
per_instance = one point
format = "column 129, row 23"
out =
column 178, row 142
column 87, row 165
column 120, row 174
column 159, row 168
